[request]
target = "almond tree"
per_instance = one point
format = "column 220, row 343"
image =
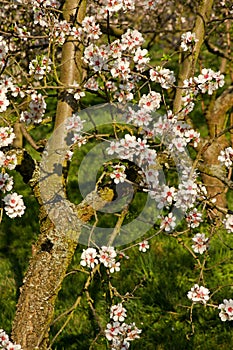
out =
column 101, row 49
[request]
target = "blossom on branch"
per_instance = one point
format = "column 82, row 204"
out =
column 199, row 294
column 89, row 257
column 200, row 243
column 14, row 205
column 6, row 344
column 226, row 157
column 143, row 246
column 118, row 174
column 188, row 41
column 226, row 313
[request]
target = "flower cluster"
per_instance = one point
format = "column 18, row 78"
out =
column 37, row 107
column 6, row 136
column 74, row 127
column 206, row 82
column 14, row 205
column 7, row 87
column 226, row 157
column 117, row 5
column 3, row 51
column 105, row 255
column 6, row 344
column 6, row 182
column 168, row 223
column 226, row 313
column 8, row 160
column 188, row 41
column 200, row 243
column 194, row 218
column 165, row 77
column 209, row 81
column 76, row 91
column 118, row 173
column 119, row 333
column 39, row 67
column 113, row 58
column 199, row 294
column 91, row 28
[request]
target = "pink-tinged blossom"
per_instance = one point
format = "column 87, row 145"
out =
column 143, row 246
column 163, row 76
column 114, row 266
column 6, row 136
column 92, row 84
column 113, row 329
column 226, row 313
column 165, row 196
column 4, row 338
column 69, row 155
column 116, row 49
column 151, row 101
column 121, row 69
column 131, row 40
column 91, row 28
column 107, row 255
column 37, row 108
column 96, row 57
column 228, row 223
column 76, row 91
column 118, row 173
column 187, row 194
column 168, row 223
column 118, row 313
column 132, row 331
column 4, row 102
column 192, row 136
column 199, row 294
column 39, row 67
column 209, row 81
column 120, row 334
column 40, row 18
column 8, row 160
column 89, row 258
column 188, row 41
column 200, row 243
column 226, row 157
column 14, row 205
column 74, row 123
column 6, row 182
column 141, row 117
column 194, row 218
column 6, row 344
column 61, row 29
column 141, row 59
column 3, row 48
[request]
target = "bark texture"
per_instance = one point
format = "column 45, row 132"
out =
column 187, row 67
column 216, row 118
column 55, row 247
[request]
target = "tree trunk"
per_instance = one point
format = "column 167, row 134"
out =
column 187, row 67
column 216, row 118
column 54, row 249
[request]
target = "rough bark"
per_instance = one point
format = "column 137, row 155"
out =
column 187, row 67
column 216, row 117
column 55, row 247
